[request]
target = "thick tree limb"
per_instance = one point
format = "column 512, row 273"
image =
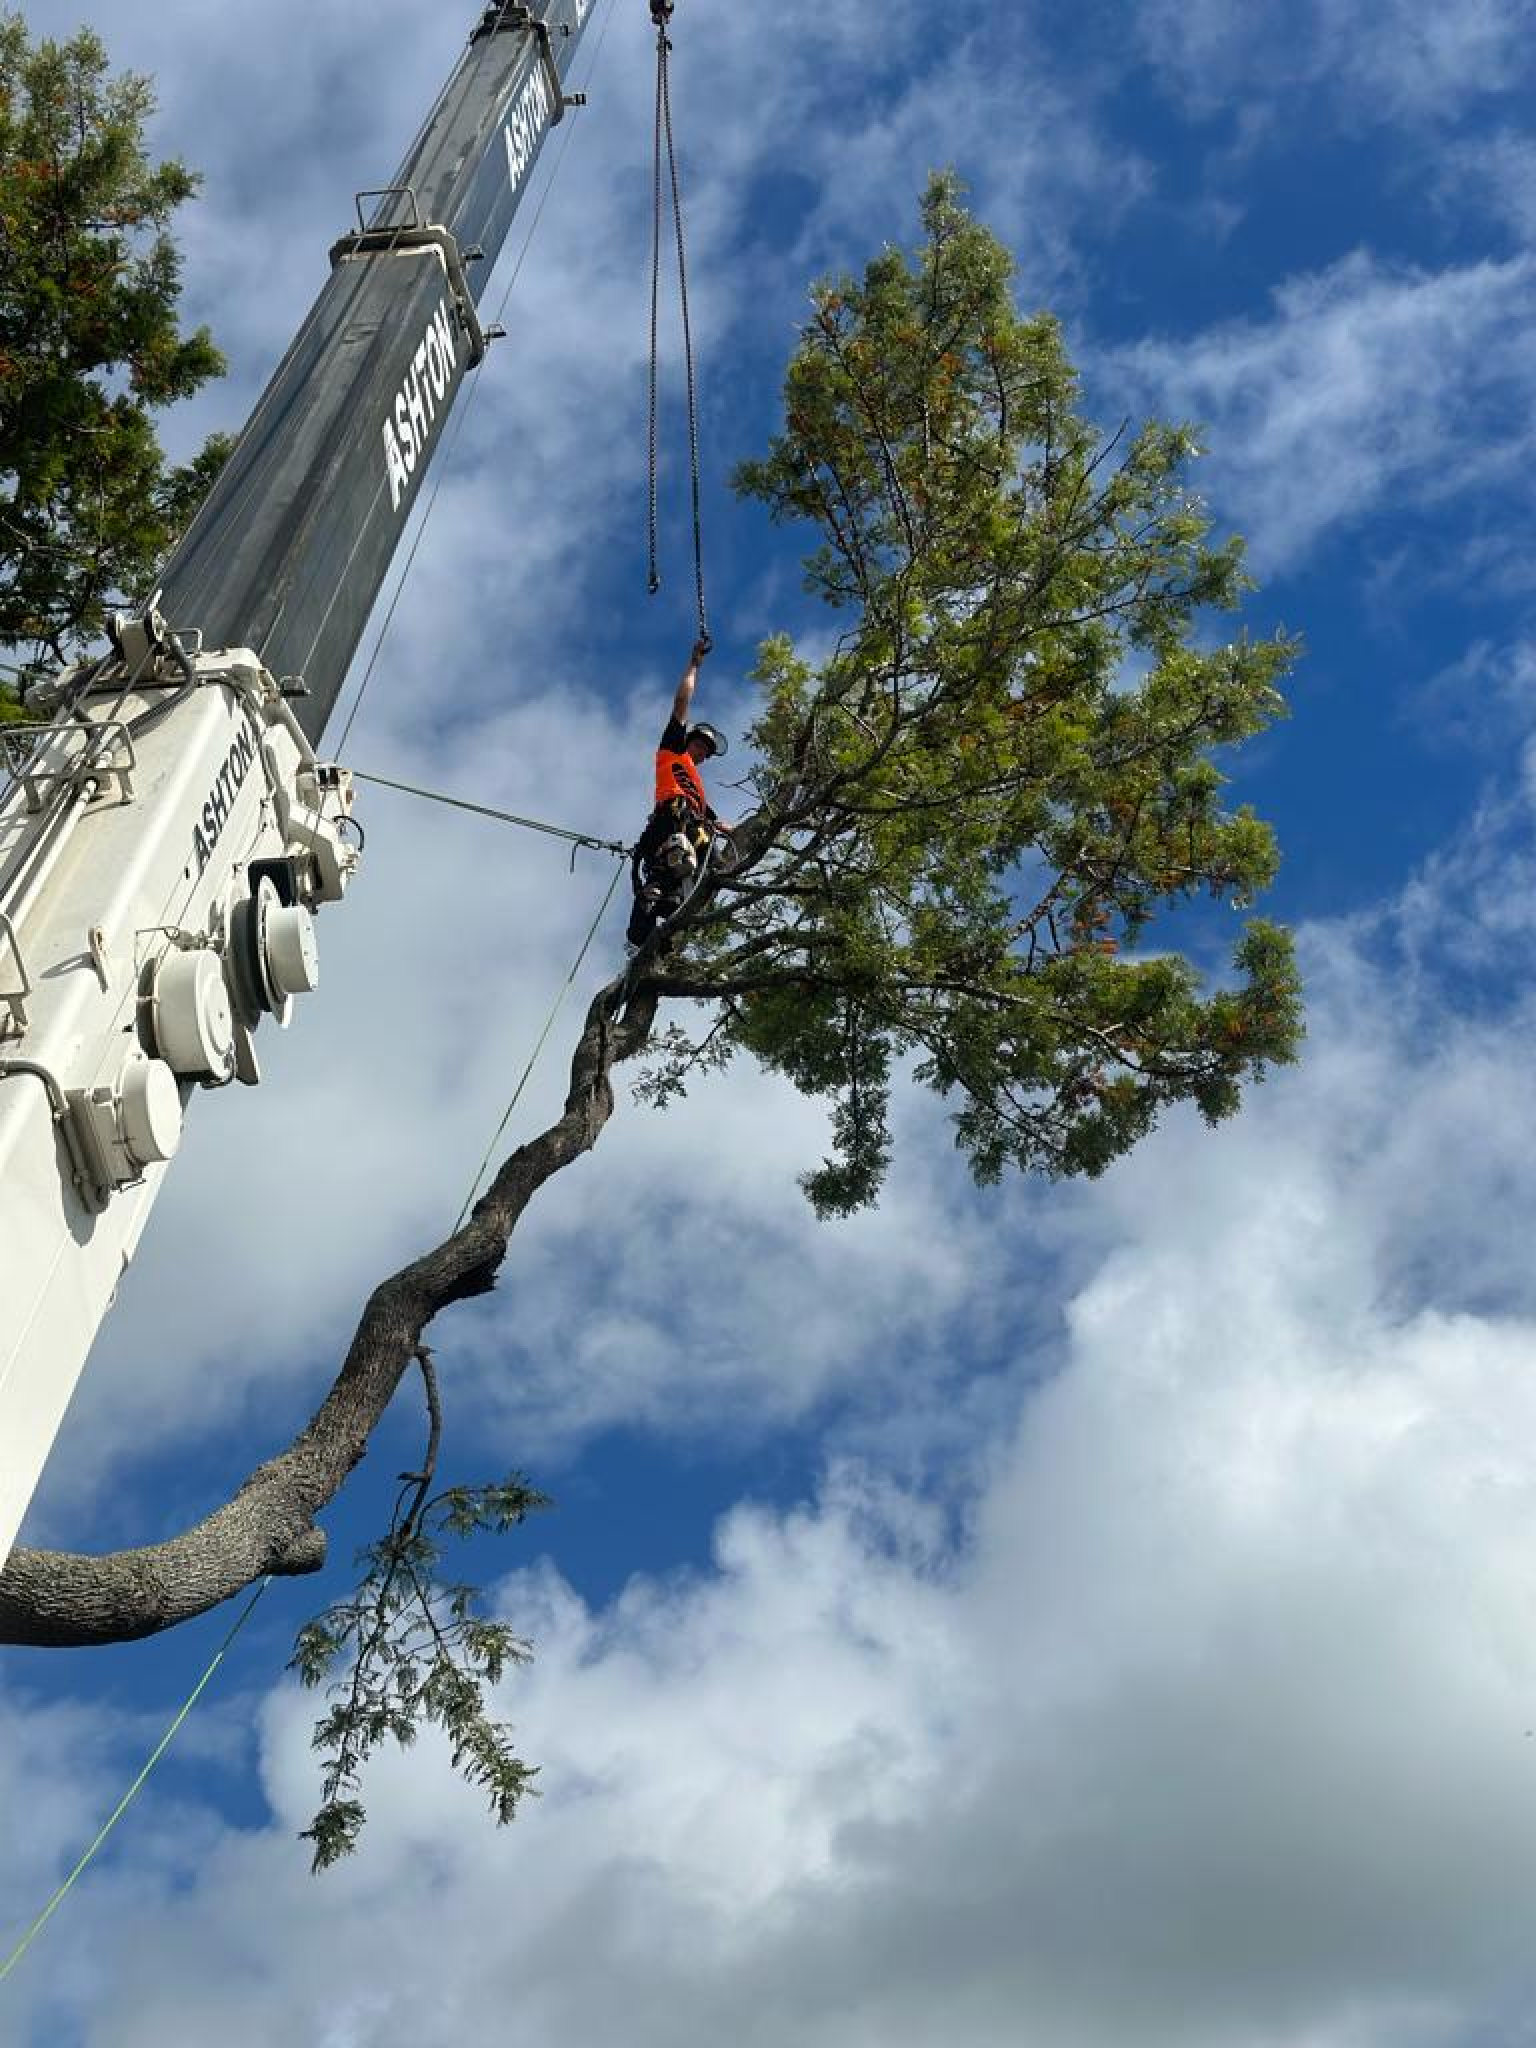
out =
column 61, row 1600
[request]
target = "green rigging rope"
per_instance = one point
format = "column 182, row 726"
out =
column 133, row 1791
column 549, row 1025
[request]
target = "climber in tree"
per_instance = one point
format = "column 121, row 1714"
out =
column 667, row 854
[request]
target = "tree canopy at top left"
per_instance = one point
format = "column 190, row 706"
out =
column 91, row 348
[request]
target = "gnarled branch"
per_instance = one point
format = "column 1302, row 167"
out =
column 63, row 1600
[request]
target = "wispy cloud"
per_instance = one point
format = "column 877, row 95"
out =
column 1497, row 174
column 1373, row 389
column 1401, row 59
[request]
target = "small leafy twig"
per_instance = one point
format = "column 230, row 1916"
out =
column 418, row 1651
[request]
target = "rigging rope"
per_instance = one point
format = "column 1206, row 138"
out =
column 661, row 14
column 555, row 832
column 134, row 1789
column 549, row 1025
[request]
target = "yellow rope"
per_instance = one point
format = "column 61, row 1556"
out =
column 133, row 1791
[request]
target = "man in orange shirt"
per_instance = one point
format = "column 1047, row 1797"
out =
column 666, row 858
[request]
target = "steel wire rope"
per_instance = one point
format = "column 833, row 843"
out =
column 577, row 840
column 653, row 573
column 459, row 803
column 663, row 133
column 456, row 425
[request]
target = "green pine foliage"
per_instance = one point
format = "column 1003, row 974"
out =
column 90, row 346
column 978, row 807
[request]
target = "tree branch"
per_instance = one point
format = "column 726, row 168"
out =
column 63, row 1600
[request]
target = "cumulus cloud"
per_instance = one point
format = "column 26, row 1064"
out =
column 1195, row 1705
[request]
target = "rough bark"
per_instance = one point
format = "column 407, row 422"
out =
column 61, row 1600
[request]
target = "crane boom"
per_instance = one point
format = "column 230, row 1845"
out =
column 289, row 551
column 168, row 834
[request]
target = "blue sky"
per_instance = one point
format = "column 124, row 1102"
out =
column 1065, row 1615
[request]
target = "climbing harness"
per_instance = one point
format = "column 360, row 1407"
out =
column 661, row 15
column 669, row 874
column 708, row 858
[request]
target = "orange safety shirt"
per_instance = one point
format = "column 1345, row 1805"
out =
column 677, row 773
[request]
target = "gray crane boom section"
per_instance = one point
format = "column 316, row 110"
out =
column 292, row 545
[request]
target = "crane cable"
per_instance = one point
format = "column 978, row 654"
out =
column 577, row 841
column 459, row 803
column 661, row 14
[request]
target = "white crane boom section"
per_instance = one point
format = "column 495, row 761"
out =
column 168, row 836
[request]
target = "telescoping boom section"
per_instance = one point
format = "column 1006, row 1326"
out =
column 169, row 828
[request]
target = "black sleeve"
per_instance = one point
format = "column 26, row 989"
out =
column 675, row 738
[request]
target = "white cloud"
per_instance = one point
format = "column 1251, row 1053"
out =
column 1372, row 388
column 1401, row 59
column 1493, row 176
column 1195, row 1705
column 1036, row 160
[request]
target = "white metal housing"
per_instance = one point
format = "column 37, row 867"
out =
column 162, row 849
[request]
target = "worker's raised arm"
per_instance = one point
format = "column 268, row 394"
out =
column 684, row 697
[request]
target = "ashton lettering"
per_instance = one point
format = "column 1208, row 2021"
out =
column 422, row 393
column 221, row 796
column 526, row 124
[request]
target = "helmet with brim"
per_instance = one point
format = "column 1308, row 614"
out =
column 712, row 736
